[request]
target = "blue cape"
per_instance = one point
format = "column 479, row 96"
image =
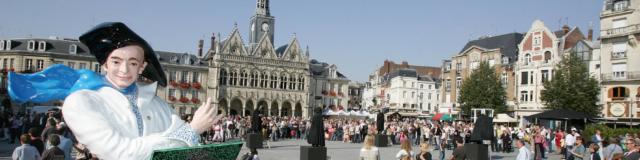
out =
column 54, row 83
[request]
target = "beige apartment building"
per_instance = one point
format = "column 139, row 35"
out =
column 499, row 51
column 620, row 60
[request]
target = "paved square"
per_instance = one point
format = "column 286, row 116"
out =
column 290, row 150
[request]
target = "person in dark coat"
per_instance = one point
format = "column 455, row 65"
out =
column 256, row 122
column 380, row 122
column 316, row 132
column 482, row 130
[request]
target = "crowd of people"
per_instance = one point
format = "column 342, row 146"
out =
column 45, row 136
column 40, row 135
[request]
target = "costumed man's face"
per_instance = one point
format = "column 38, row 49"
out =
column 124, row 65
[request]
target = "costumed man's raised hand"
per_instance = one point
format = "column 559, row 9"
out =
column 205, row 117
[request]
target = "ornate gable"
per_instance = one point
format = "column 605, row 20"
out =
column 293, row 51
column 265, row 48
column 538, row 33
column 234, row 45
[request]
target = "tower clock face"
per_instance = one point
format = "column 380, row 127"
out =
column 265, row 27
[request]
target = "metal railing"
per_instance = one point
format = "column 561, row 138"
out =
column 620, row 76
column 621, row 31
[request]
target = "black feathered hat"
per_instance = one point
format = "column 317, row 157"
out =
column 108, row 36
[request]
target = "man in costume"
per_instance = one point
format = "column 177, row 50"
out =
column 316, row 132
column 112, row 115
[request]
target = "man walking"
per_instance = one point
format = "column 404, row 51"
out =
column 523, row 152
column 25, row 151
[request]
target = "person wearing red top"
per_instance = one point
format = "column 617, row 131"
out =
column 559, row 135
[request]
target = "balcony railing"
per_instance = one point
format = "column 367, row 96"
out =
column 621, row 31
column 618, row 55
column 621, row 76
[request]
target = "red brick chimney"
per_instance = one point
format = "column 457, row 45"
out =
column 565, row 29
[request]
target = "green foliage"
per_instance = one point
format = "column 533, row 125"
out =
column 606, row 131
column 482, row 89
column 572, row 87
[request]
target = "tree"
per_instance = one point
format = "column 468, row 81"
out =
column 482, row 89
column 572, row 87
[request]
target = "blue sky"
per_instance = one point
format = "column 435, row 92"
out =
column 356, row 35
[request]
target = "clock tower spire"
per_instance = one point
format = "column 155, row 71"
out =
column 262, row 22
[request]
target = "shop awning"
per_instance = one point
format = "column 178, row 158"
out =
column 442, row 116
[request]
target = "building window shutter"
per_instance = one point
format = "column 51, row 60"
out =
column 610, row 93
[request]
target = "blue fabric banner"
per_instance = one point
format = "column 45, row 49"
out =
column 54, row 83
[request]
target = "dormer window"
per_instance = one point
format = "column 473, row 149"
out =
column 174, row 59
column 31, row 45
column 42, row 46
column 186, row 59
column 8, row 46
column 2, row 45
column 505, row 60
column 73, row 49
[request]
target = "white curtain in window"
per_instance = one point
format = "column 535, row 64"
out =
column 619, row 47
column 619, row 67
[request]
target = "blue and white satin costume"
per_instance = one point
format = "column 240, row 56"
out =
column 106, row 120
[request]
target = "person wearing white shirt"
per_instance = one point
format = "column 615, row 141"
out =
column 523, row 151
column 569, row 141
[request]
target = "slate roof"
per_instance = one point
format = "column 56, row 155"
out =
column 321, row 69
column 409, row 72
column 280, row 50
column 179, row 58
column 507, row 42
column 59, row 46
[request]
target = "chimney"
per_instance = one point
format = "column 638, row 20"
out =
column 565, row 29
column 213, row 42
column 200, row 42
column 387, row 65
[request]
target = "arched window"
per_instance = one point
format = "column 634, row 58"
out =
column 527, row 59
column 292, row 82
column 274, row 81
column 42, row 46
column 223, row 77
column 264, row 80
column 73, row 49
column 283, row 81
column 301, row 83
column 618, row 93
column 1, row 44
column 31, row 45
column 254, row 79
column 243, row 78
column 547, row 57
column 233, row 78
